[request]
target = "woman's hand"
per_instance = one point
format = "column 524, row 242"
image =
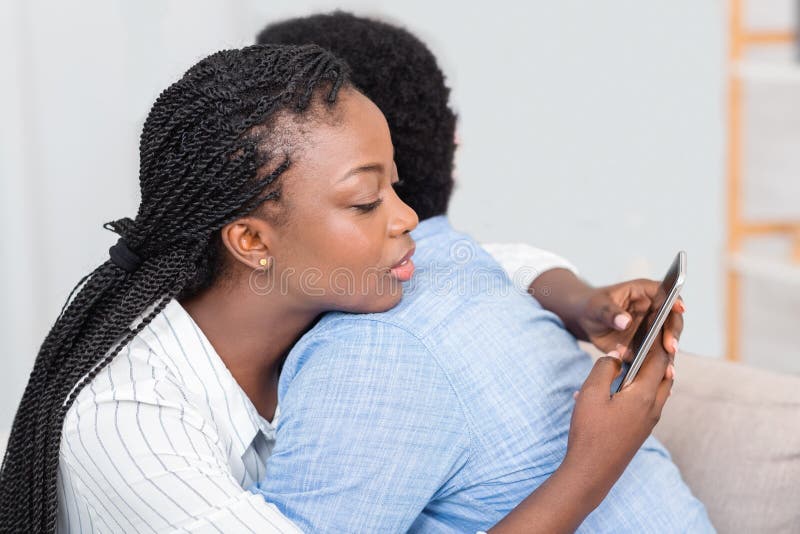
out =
column 609, row 316
column 605, row 433
column 606, row 316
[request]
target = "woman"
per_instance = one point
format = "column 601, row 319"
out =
column 265, row 176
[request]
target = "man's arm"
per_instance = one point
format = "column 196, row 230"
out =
column 370, row 432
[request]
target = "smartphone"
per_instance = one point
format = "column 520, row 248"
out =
column 651, row 326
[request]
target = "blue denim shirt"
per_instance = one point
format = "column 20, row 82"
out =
column 443, row 413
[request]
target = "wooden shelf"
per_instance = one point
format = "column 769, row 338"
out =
column 767, row 37
column 740, row 71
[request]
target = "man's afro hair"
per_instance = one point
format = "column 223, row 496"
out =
column 397, row 72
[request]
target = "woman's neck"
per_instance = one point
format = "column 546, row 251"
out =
column 252, row 334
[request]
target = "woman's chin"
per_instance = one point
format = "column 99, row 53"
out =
column 375, row 303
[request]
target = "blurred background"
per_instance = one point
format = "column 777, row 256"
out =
column 613, row 133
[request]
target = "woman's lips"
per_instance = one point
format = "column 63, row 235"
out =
column 403, row 270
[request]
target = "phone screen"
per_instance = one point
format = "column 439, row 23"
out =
column 659, row 309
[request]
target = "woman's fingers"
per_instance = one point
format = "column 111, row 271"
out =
column 655, row 365
column 664, row 389
column 643, row 294
column 673, row 327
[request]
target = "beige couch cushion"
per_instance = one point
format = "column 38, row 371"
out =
column 734, row 432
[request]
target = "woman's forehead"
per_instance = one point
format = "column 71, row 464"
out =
column 359, row 139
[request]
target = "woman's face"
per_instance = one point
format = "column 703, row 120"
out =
column 345, row 243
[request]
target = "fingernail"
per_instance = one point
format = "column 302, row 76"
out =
column 683, row 307
column 622, row 321
column 673, row 371
column 614, row 354
column 675, row 346
column 575, row 395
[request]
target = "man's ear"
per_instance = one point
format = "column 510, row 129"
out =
column 248, row 241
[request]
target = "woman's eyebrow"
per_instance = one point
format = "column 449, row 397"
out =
column 370, row 167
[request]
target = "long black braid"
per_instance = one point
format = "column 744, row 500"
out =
column 204, row 162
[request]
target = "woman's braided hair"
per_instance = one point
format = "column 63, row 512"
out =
column 204, row 162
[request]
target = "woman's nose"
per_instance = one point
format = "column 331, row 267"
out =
column 404, row 218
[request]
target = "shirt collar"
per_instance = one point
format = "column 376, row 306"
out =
column 185, row 346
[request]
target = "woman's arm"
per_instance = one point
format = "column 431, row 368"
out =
column 604, row 435
column 524, row 263
column 606, row 316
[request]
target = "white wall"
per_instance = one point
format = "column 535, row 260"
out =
column 593, row 129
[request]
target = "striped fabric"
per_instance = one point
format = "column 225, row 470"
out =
column 164, row 439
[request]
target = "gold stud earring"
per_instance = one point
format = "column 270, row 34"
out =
column 265, row 262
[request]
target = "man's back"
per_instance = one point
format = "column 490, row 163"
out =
column 441, row 414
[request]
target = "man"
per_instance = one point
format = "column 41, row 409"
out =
column 443, row 413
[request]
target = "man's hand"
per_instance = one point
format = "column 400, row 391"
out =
column 604, row 435
column 606, row 316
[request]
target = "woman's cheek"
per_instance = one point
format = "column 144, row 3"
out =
column 361, row 247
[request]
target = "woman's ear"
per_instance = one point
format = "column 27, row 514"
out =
column 248, row 241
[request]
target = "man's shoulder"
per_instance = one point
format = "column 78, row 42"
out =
column 454, row 277
column 456, row 286
column 459, row 300
column 345, row 363
column 356, row 340
column 423, row 331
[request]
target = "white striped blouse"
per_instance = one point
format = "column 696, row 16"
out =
column 163, row 439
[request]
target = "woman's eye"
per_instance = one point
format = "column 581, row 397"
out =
column 365, row 208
